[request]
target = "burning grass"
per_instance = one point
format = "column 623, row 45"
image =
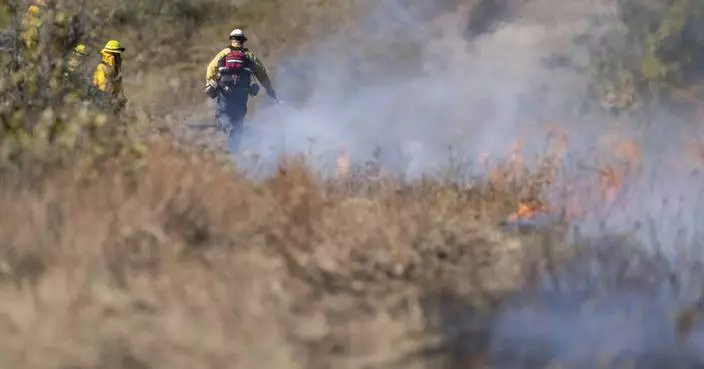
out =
column 183, row 262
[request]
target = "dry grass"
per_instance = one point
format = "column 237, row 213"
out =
column 186, row 264
column 180, row 261
column 186, row 34
column 183, row 262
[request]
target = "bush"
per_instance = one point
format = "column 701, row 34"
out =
column 47, row 112
column 664, row 55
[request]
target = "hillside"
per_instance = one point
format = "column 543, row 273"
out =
column 448, row 184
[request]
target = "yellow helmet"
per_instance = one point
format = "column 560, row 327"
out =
column 113, row 46
column 33, row 10
column 80, row 49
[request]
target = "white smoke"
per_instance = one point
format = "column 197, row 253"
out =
column 435, row 87
column 410, row 80
column 430, row 87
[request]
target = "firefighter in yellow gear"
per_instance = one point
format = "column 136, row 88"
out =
column 228, row 79
column 107, row 77
column 76, row 58
column 33, row 22
column 76, row 78
column 39, row 14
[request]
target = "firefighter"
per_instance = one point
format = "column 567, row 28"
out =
column 107, row 77
column 76, row 78
column 76, row 58
column 39, row 14
column 229, row 80
column 33, row 21
column 74, row 69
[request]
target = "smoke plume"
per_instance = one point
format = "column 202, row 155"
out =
column 476, row 76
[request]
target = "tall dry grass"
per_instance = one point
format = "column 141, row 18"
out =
column 184, row 263
column 177, row 260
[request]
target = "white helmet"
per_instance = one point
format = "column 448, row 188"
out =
column 238, row 34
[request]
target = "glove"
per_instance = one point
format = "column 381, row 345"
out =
column 211, row 89
column 253, row 89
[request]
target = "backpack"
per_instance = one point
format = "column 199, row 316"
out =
column 235, row 68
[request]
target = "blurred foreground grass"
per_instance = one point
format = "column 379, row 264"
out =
column 183, row 263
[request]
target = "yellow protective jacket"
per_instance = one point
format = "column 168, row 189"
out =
column 260, row 72
column 37, row 15
column 33, row 21
column 107, row 77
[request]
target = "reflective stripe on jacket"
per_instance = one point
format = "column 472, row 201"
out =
column 259, row 71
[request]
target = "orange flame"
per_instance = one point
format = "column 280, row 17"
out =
column 528, row 210
column 343, row 163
